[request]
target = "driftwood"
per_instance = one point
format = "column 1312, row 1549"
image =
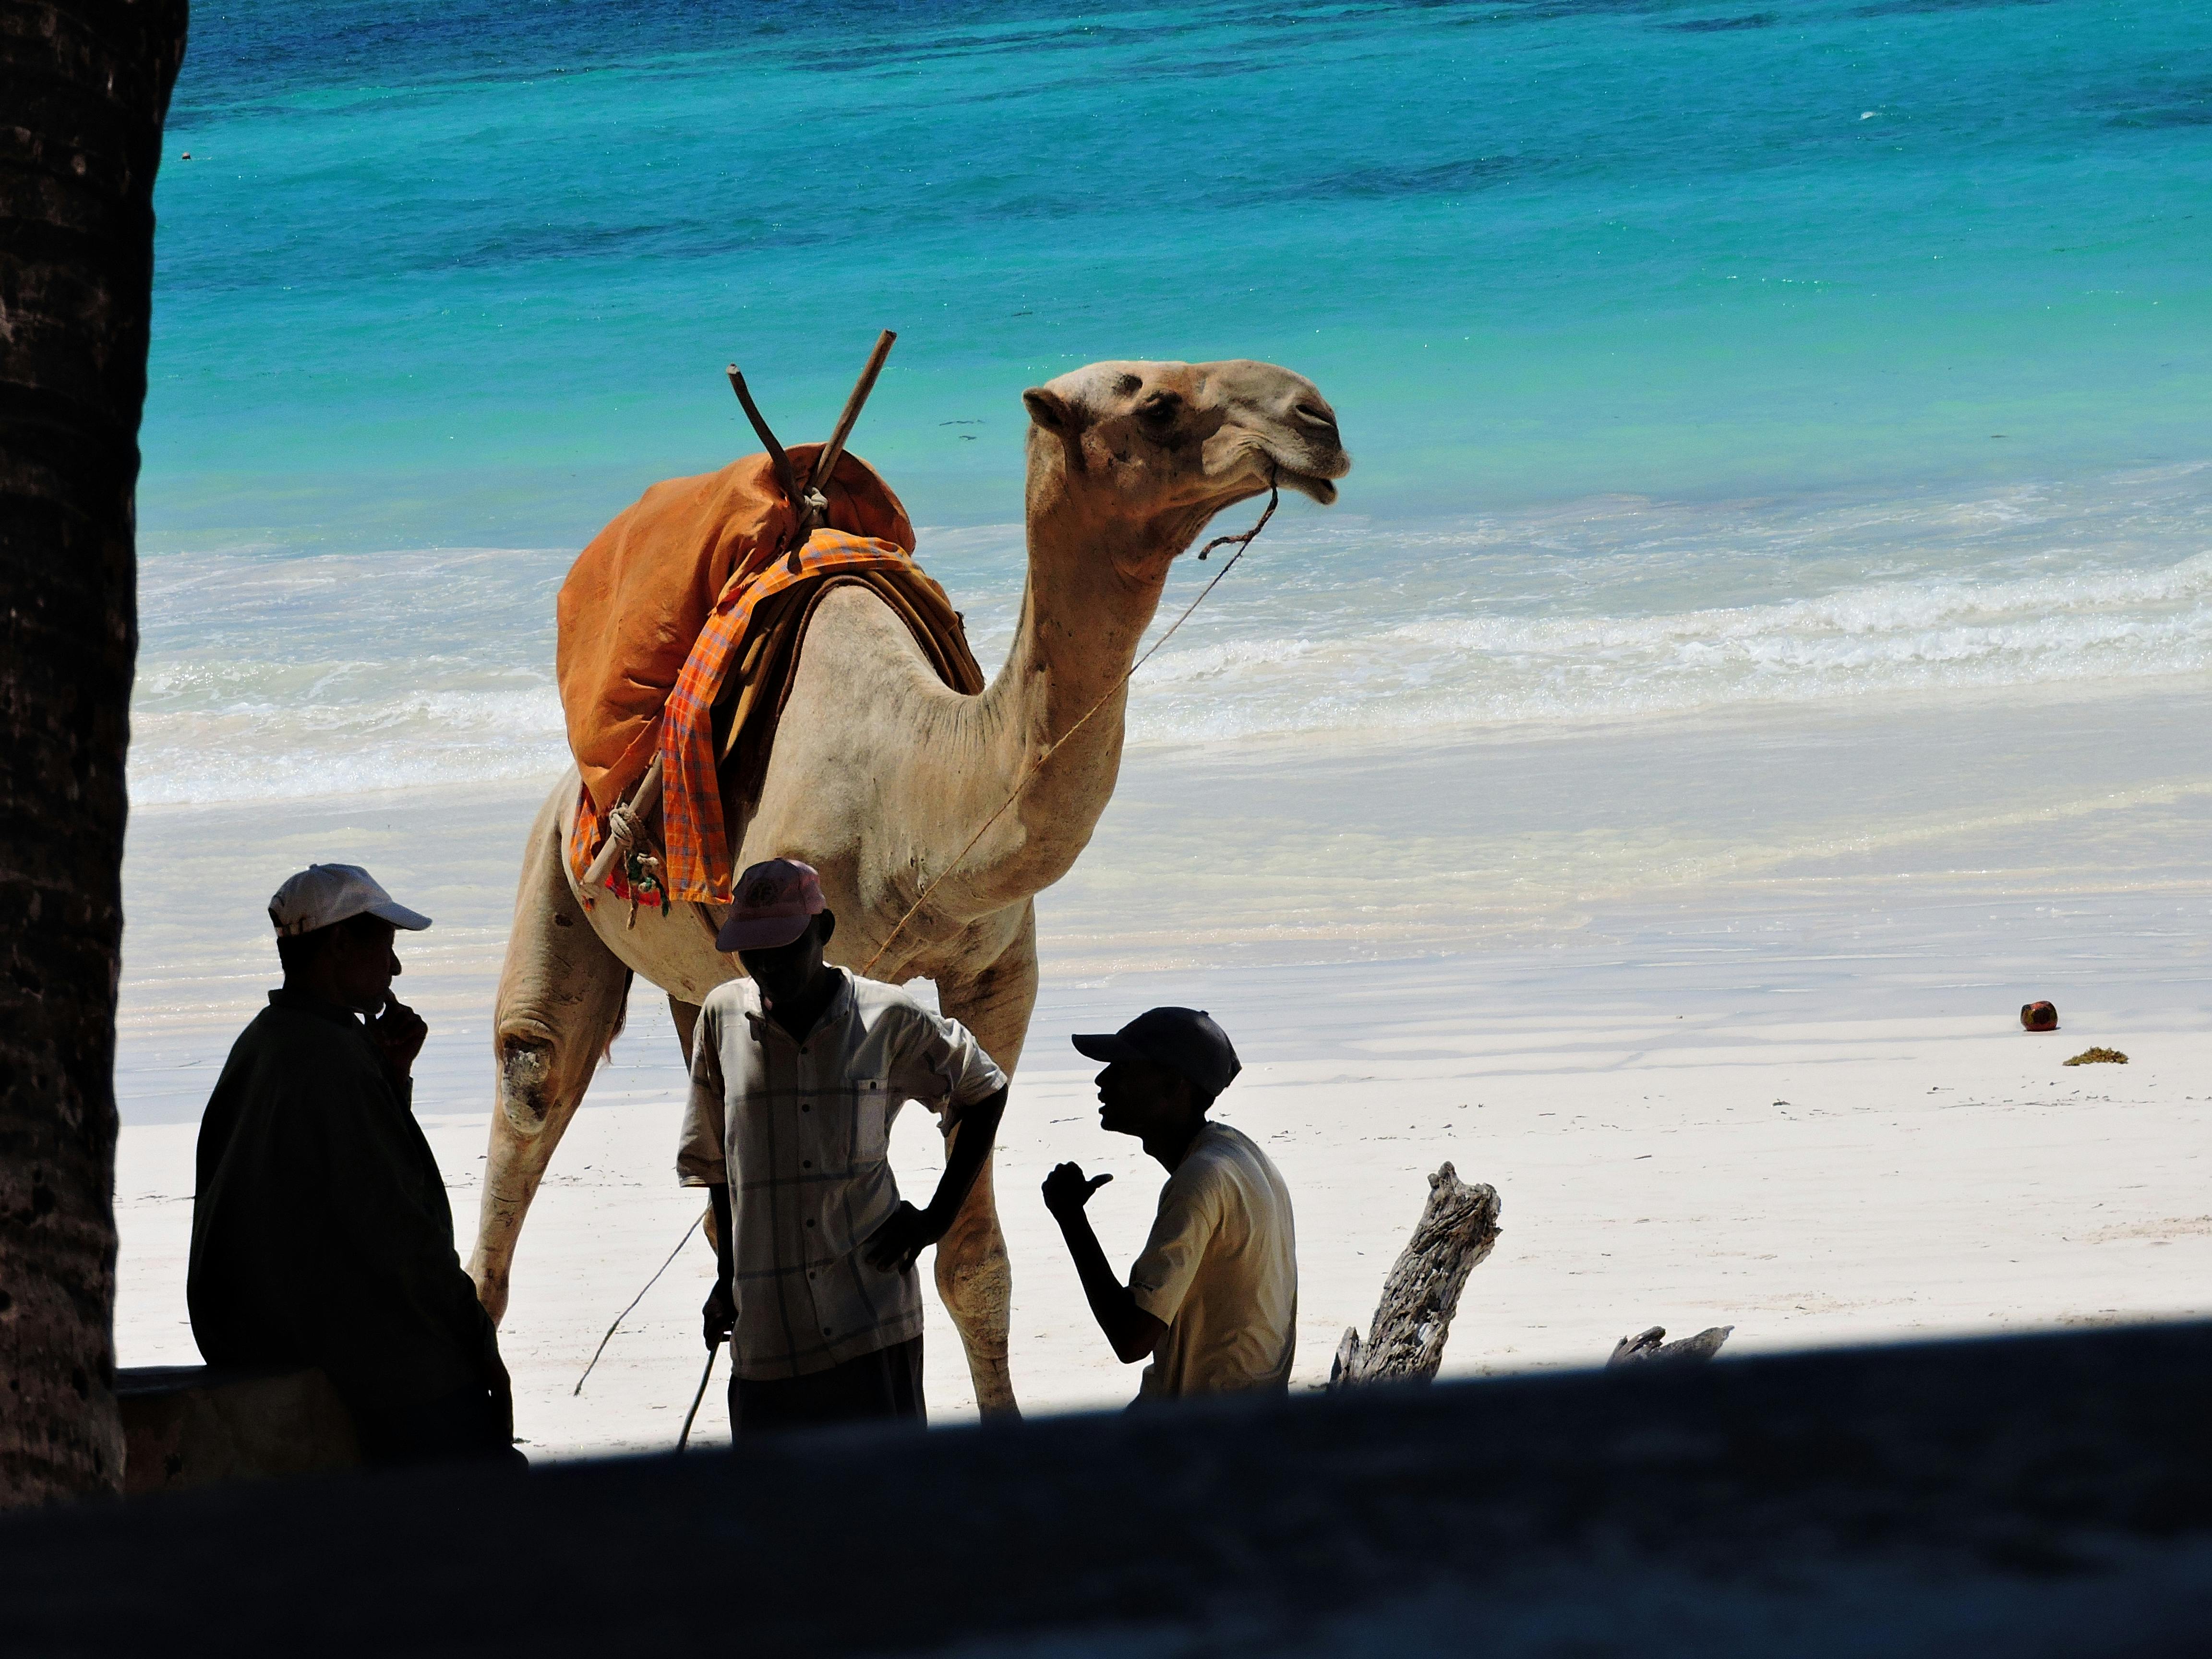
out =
column 1651, row 1347
column 1457, row 1230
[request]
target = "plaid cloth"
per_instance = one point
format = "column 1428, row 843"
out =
column 695, row 860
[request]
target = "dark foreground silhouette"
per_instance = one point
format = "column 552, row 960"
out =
column 2044, row 1495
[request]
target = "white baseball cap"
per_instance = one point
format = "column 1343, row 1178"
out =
column 323, row 895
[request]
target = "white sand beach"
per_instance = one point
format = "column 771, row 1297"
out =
column 1725, row 1006
column 1812, row 1183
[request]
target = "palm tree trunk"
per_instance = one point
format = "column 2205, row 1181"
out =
column 84, row 87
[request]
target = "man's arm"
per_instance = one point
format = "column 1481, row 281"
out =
column 721, row 1314
column 1134, row 1333
column 384, row 1291
column 907, row 1231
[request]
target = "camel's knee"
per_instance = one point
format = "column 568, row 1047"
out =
column 977, row 1290
column 974, row 1277
column 528, row 1086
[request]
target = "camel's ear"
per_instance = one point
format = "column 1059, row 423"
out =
column 1049, row 410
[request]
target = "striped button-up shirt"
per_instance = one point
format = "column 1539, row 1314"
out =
column 800, row 1131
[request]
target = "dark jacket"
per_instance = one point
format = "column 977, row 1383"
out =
column 321, row 1235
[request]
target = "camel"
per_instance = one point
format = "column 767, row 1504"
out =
column 880, row 773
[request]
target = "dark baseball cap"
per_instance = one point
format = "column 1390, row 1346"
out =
column 1184, row 1040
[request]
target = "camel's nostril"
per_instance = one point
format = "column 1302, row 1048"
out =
column 1314, row 415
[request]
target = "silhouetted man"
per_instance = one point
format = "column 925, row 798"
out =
column 1214, row 1297
column 321, row 1234
column 796, row 1074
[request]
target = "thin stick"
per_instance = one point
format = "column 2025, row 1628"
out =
column 685, row 1438
column 635, row 1300
column 777, row 458
column 1275, row 496
column 826, row 461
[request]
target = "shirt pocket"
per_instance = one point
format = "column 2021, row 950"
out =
column 871, row 1120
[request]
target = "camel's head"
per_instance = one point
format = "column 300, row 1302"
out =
column 1167, row 446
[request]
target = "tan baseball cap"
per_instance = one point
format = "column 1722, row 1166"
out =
column 323, row 895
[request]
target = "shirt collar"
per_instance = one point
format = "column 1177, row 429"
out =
column 840, row 1000
column 837, row 1008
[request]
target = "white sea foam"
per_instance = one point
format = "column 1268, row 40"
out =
column 1862, row 642
column 268, row 676
column 262, row 676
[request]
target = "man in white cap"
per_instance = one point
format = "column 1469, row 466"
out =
column 1213, row 1300
column 321, row 1233
column 797, row 1072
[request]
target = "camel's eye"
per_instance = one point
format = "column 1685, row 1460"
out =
column 1159, row 411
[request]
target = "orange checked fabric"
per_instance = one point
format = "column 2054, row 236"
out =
column 627, row 691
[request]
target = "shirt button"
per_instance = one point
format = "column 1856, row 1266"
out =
column 810, row 1224
column 805, row 1109
column 826, row 1330
column 805, row 1163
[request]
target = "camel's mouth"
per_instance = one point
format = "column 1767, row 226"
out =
column 1307, row 484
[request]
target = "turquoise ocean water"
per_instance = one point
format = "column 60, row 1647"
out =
column 470, row 271
column 1694, row 351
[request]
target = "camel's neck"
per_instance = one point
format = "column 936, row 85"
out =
column 1092, row 592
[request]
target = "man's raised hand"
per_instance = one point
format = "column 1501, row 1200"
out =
column 398, row 1032
column 1066, row 1190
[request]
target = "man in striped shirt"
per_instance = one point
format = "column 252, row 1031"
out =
column 796, row 1074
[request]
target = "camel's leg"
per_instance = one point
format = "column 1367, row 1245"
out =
column 686, row 1016
column 972, row 1277
column 561, row 999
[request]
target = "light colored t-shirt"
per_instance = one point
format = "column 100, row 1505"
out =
column 1221, row 1272
column 801, row 1133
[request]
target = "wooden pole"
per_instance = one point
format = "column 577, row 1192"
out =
column 777, row 458
column 641, row 805
column 826, row 462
